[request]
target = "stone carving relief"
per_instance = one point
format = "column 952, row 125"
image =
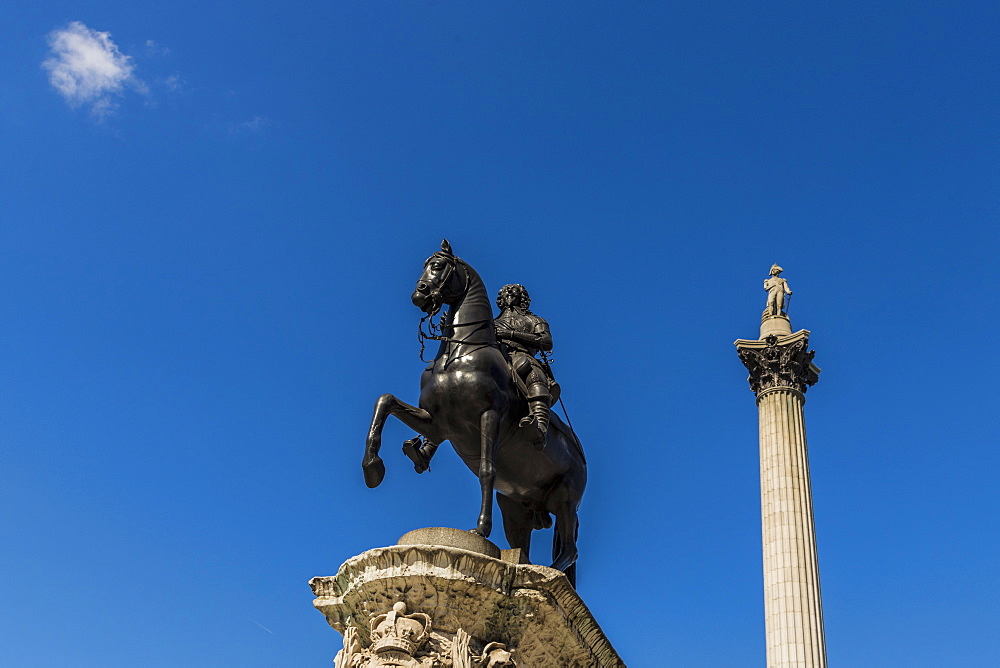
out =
column 409, row 641
column 461, row 655
column 351, row 655
column 780, row 366
column 495, row 655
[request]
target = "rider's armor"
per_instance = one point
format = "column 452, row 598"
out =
column 524, row 335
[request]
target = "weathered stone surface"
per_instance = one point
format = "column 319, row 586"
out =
column 514, row 555
column 448, row 537
column 505, row 613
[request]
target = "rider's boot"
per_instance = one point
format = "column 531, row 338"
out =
column 537, row 420
column 420, row 451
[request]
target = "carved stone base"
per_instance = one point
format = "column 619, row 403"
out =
column 442, row 606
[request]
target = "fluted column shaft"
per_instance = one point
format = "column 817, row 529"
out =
column 793, row 608
column 781, row 370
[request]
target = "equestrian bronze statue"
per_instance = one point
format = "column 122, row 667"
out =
column 483, row 394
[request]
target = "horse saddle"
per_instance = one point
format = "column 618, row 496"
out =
column 522, row 389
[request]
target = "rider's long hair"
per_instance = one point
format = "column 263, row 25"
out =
column 520, row 294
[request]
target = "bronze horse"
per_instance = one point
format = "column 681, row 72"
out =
column 468, row 397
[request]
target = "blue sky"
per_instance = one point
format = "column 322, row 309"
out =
column 212, row 216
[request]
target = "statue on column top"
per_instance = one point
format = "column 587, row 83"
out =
column 776, row 288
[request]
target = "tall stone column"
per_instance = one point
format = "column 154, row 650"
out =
column 781, row 370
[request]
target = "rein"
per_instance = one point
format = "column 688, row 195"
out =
column 436, row 329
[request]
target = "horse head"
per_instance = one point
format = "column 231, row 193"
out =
column 443, row 281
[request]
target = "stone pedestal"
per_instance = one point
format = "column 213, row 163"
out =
column 775, row 325
column 448, row 598
column 781, row 370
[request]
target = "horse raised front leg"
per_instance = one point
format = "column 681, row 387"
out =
column 489, row 428
column 415, row 418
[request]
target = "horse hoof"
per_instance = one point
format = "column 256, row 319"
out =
column 374, row 472
column 482, row 533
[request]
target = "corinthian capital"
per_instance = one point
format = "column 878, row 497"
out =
column 774, row 362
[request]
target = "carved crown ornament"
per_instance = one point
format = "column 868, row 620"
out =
column 398, row 631
column 408, row 641
column 786, row 364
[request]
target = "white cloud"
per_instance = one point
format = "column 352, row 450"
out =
column 155, row 49
column 255, row 125
column 174, row 83
column 87, row 68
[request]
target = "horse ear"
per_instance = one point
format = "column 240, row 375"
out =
column 445, row 246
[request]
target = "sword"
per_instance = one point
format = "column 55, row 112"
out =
column 548, row 367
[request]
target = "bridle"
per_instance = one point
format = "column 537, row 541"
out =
column 451, row 263
column 436, row 330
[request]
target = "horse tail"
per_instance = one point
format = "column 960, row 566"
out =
column 571, row 574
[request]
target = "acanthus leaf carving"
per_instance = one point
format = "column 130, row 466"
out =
column 788, row 365
column 461, row 655
column 353, row 653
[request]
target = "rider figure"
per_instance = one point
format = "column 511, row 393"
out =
column 524, row 334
